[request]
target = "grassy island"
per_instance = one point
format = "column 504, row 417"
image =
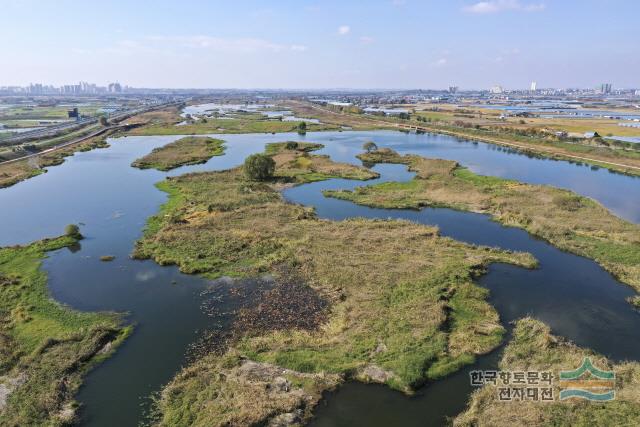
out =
column 533, row 348
column 45, row 348
column 570, row 222
column 374, row 300
column 190, row 150
column 297, row 165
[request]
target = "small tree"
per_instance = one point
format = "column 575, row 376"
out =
column 291, row 145
column 302, row 128
column 104, row 121
column 370, row 146
column 259, row 167
column 72, row 230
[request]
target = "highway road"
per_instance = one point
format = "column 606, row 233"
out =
column 114, row 117
column 68, row 126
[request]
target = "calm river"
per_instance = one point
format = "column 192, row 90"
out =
column 112, row 201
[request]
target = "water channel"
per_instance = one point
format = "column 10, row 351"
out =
column 111, row 201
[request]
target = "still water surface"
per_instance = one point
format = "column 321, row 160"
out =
column 112, row 201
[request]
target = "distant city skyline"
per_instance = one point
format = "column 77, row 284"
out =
column 390, row 44
column 87, row 87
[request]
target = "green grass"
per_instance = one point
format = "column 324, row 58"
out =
column 403, row 301
column 569, row 221
column 190, row 150
column 51, row 345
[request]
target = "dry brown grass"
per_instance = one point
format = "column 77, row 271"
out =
column 238, row 392
column 169, row 115
column 533, row 348
column 304, row 109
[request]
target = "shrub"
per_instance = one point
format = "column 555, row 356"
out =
column 291, row 145
column 369, row 146
column 259, row 167
column 568, row 202
column 302, row 128
column 72, row 230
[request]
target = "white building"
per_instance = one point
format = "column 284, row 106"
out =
column 497, row 89
column 534, row 86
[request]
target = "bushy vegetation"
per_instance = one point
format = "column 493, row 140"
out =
column 369, row 146
column 302, row 128
column 259, row 167
column 72, row 230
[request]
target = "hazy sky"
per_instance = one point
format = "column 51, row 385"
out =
column 321, row 44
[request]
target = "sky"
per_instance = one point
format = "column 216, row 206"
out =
column 307, row 44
